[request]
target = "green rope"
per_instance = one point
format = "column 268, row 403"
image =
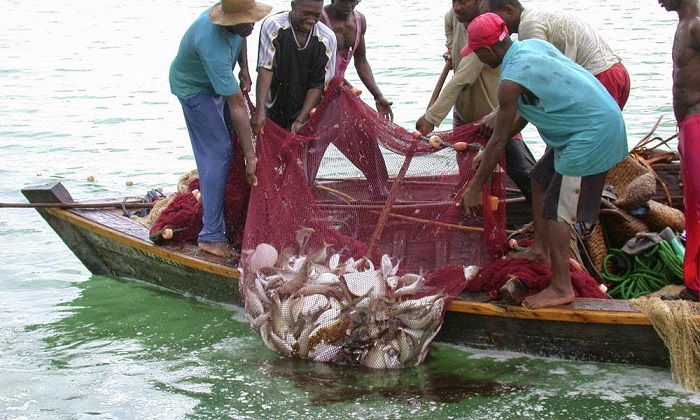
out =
column 643, row 274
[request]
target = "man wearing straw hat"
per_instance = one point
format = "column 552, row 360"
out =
column 579, row 121
column 686, row 107
column 201, row 76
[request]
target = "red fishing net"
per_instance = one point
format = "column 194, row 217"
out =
column 356, row 188
column 354, row 242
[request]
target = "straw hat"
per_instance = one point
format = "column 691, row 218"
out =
column 233, row 12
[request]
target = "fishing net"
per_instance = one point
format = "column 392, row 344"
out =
column 179, row 219
column 677, row 324
column 354, row 244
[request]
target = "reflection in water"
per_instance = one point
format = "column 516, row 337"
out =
column 329, row 384
column 132, row 351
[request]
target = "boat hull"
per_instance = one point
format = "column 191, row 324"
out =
column 596, row 330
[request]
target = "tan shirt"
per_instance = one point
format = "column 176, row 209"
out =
column 572, row 36
column 473, row 88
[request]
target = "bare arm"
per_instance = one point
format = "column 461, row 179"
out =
column 239, row 116
column 313, row 96
column 508, row 93
column 466, row 74
column 364, row 71
column 262, row 88
column 244, row 74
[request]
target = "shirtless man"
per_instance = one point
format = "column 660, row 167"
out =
column 686, row 107
column 350, row 26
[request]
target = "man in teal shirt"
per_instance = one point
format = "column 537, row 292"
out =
column 579, row 121
column 201, row 76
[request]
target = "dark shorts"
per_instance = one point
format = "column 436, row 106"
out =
column 569, row 199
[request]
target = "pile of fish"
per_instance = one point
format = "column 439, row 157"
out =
column 352, row 313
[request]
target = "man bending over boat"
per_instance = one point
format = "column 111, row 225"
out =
column 686, row 107
column 296, row 60
column 349, row 27
column 472, row 94
column 572, row 36
column 578, row 120
column 201, row 77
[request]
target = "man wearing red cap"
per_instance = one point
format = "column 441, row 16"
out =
column 686, row 107
column 572, row 36
column 579, row 121
column 201, row 77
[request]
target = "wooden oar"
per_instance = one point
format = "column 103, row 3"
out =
column 440, row 83
column 94, row 205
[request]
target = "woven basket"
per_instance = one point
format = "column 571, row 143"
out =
column 596, row 247
column 619, row 226
column 661, row 216
column 633, row 184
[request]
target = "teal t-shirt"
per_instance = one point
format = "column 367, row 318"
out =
column 573, row 112
column 205, row 60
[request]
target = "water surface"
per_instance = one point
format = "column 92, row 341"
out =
column 85, row 94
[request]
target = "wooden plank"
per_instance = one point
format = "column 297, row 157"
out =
column 565, row 313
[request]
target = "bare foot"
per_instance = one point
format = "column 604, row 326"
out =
column 548, row 297
column 220, row 249
column 531, row 255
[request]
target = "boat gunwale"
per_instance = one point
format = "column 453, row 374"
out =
column 562, row 313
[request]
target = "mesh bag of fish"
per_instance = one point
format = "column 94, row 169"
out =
column 354, row 245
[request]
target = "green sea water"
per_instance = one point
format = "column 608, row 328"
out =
column 84, row 93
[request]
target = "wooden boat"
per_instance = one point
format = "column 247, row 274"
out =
column 108, row 243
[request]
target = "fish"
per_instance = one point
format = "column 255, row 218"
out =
column 316, row 306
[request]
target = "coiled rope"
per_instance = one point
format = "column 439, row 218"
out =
column 643, row 274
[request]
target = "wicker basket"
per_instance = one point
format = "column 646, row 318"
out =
column 633, row 184
column 619, row 226
column 596, row 248
column 659, row 216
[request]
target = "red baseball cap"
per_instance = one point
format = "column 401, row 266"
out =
column 484, row 31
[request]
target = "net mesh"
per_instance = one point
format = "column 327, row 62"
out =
column 677, row 324
column 354, row 243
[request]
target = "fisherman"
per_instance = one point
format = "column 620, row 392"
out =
column 572, row 36
column 212, row 100
column 349, row 27
column 472, row 91
column 580, row 123
column 686, row 108
column 296, row 60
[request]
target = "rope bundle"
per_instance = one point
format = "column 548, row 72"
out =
column 644, row 274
